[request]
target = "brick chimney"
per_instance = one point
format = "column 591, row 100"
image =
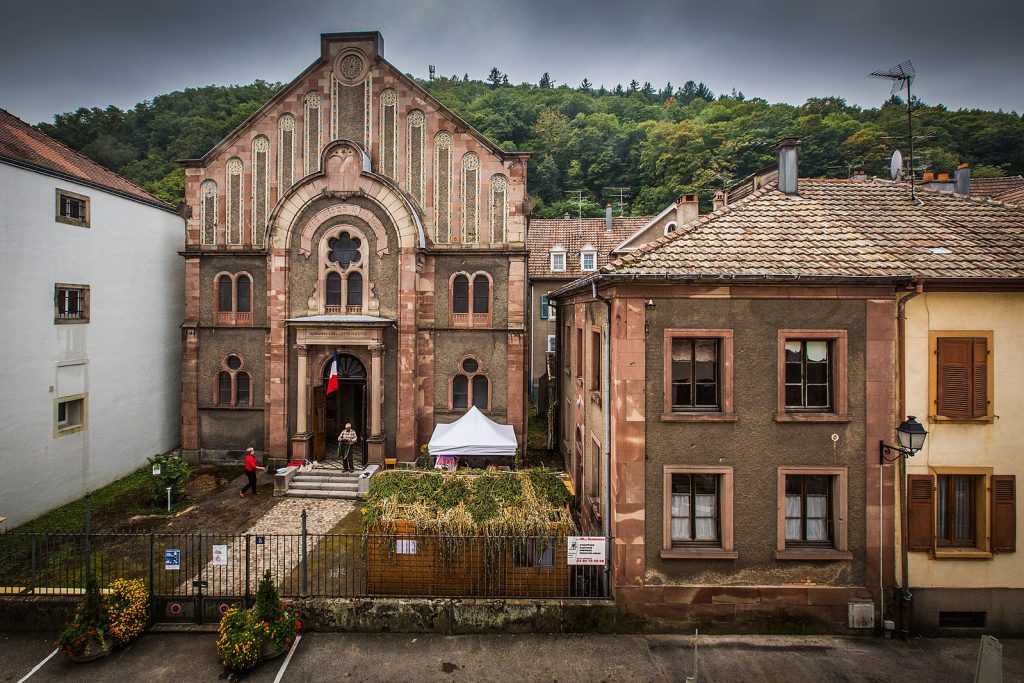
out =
column 686, row 209
column 963, row 180
column 608, row 217
column 789, row 169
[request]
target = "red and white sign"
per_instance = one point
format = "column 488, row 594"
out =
column 587, row 550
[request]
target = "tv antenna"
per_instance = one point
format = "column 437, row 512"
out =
column 900, row 75
column 577, row 196
column 431, row 69
column 619, row 194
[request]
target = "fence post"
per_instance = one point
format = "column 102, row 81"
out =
column 248, row 572
column 304, row 576
column 34, row 563
column 152, row 583
column 88, row 530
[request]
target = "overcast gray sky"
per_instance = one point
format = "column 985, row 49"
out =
column 56, row 56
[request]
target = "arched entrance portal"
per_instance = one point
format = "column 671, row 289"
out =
column 347, row 404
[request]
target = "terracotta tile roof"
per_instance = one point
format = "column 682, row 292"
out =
column 1015, row 197
column 842, row 228
column 996, row 187
column 574, row 234
column 24, row 145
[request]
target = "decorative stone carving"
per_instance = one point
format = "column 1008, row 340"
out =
column 208, row 212
column 285, row 153
column 350, row 66
column 234, row 206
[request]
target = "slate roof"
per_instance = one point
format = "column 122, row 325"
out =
column 996, row 187
column 840, row 228
column 23, row 145
column 574, row 234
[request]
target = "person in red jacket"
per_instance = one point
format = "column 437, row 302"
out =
column 250, row 471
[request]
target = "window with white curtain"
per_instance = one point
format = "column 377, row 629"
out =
column 695, row 510
column 808, row 510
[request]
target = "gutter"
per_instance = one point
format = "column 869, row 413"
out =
column 606, row 518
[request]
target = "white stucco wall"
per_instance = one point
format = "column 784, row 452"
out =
column 130, row 346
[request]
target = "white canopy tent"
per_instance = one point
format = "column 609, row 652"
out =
column 473, row 434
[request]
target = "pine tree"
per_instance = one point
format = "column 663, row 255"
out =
column 545, row 81
column 495, row 77
column 586, row 86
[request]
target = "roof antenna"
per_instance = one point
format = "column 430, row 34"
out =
column 577, row 196
column 900, row 74
column 619, row 194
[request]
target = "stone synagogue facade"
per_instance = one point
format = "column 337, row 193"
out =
column 352, row 216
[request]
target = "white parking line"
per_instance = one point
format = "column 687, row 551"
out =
column 280, row 672
column 40, row 666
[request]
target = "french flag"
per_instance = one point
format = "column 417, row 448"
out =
column 332, row 381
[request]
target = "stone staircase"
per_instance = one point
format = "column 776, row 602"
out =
column 325, row 482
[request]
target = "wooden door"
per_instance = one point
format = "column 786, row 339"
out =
column 319, row 422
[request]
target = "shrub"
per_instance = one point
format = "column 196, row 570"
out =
column 174, row 472
column 88, row 632
column 128, row 607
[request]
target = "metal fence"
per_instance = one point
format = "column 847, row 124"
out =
column 193, row 576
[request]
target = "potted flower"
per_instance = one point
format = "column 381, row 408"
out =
column 268, row 630
column 240, row 642
column 128, row 607
column 87, row 636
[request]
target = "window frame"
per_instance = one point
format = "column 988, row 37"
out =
column 59, row 217
column 933, row 382
column 233, row 374
column 725, row 550
column 84, row 302
column 981, row 548
column 470, row 319
column 470, row 377
column 583, row 255
column 66, row 427
column 552, row 346
column 528, row 556
column 326, row 266
column 838, row 366
column 233, row 316
column 557, row 251
column 725, row 413
column 839, row 491
column 596, row 357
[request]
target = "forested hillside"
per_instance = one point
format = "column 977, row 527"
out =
column 657, row 142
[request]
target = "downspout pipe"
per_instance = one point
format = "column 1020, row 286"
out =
column 606, row 518
column 901, row 364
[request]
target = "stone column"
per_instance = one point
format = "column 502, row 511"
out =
column 375, row 442
column 301, row 440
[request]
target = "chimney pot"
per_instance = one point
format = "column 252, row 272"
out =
column 962, row 177
column 788, row 158
column 608, row 217
column 928, row 177
column 943, row 178
column 567, row 216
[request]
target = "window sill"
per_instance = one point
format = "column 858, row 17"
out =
column 965, row 554
column 812, row 417
column 77, row 222
column 699, row 417
column 70, row 321
column 934, row 419
column 813, row 554
column 699, row 554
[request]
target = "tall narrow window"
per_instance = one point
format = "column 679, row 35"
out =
column 355, row 291
column 224, row 389
column 808, row 383
column 808, row 510
column 311, row 139
column 460, row 294
column 695, row 510
column 471, row 198
column 695, row 377
column 333, row 289
column 956, row 514
column 243, row 287
column 414, row 175
column 481, row 294
column 242, row 388
column 499, row 208
column 443, row 142
column 208, row 212
column 595, row 361
column 961, row 385
column 236, row 188
column 389, row 133
column 481, row 393
column 260, row 187
column 225, row 301
column 285, row 153
column 460, row 392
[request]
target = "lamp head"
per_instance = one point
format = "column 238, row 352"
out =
column 911, row 434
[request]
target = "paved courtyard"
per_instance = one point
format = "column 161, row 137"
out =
column 528, row 659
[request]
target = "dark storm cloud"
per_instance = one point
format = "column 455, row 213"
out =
column 57, row 56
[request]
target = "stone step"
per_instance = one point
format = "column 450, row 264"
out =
column 340, row 495
column 324, row 479
column 323, row 486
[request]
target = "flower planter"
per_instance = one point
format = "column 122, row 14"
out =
column 93, row 649
column 272, row 650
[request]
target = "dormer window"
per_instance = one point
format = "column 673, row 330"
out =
column 557, row 259
column 670, row 228
column 588, row 258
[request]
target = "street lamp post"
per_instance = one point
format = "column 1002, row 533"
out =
column 911, row 435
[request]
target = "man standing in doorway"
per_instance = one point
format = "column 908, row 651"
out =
column 251, row 468
column 346, row 439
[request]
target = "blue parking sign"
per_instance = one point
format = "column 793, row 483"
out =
column 172, row 559
column 259, row 540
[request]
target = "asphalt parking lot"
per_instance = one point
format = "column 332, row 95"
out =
column 524, row 659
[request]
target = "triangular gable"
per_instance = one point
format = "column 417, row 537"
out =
column 628, row 244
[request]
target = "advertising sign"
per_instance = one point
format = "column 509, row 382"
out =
column 588, row 550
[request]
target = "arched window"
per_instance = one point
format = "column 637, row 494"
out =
column 499, row 207
column 354, row 298
column 481, row 393
column 670, row 228
column 243, row 294
column 242, row 388
column 260, row 187
column 389, row 133
column 234, row 298
column 225, row 294
column 460, row 392
column 311, row 139
column 285, row 153
column 470, row 198
column 443, row 142
column 460, row 294
column 236, row 188
column 208, row 212
column 233, row 385
column 481, row 294
column 414, row 154
column 333, row 289
column 224, row 388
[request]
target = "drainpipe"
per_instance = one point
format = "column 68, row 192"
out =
column 901, row 343
column 606, row 518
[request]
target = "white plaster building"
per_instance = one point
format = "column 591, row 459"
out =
column 92, row 284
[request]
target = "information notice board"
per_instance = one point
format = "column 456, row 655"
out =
column 589, row 550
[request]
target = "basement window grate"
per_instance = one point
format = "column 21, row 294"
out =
column 962, row 619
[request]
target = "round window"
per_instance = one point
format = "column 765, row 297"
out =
column 234, row 362
column 470, row 365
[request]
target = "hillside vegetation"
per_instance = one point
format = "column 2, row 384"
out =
column 656, row 142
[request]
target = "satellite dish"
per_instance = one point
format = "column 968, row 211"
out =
column 896, row 165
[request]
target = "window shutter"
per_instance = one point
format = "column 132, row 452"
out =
column 543, row 306
column 954, row 362
column 920, row 512
column 1004, row 513
column 979, row 369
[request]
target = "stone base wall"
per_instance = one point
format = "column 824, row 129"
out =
column 1002, row 609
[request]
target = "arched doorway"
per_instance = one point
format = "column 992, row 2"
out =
column 347, row 404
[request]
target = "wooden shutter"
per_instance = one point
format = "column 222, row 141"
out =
column 543, row 306
column 921, row 512
column 1004, row 513
column 979, row 378
column 953, row 386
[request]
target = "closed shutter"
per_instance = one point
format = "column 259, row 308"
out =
column 543, row 306
column 953, row 390
column 979, row 377
column 920, row 512
column 1004, row 513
